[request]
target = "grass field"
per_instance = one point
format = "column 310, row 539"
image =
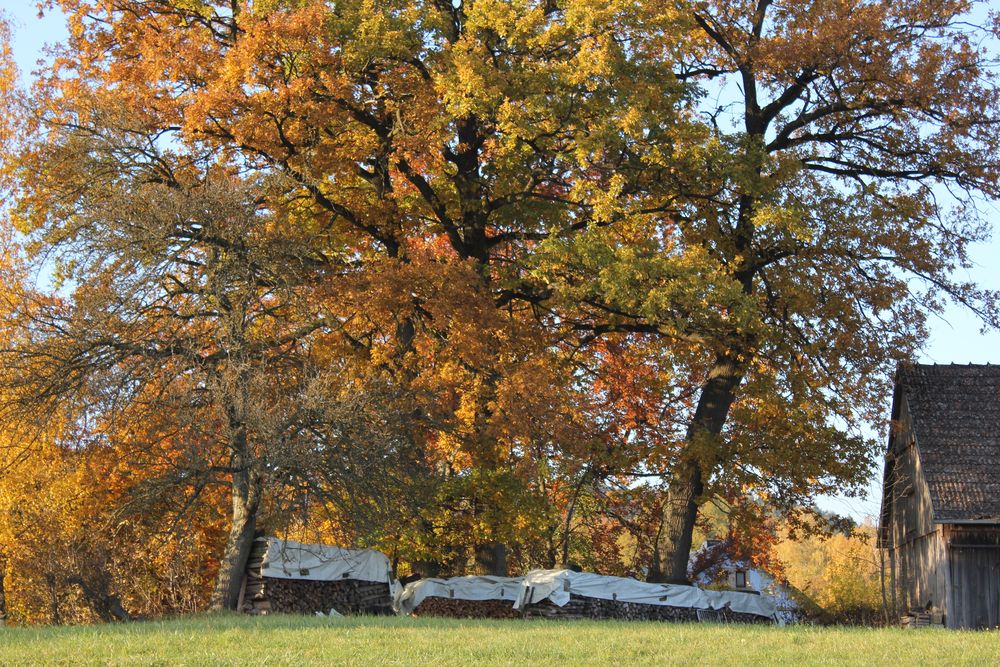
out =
column 290, row 640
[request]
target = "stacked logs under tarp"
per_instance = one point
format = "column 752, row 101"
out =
column 290, row 577
column 462, row 597
column 455, row 608
column 581, row 607
column 562, row 594
column 582, row 595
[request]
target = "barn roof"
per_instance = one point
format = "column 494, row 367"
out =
column 955, row 412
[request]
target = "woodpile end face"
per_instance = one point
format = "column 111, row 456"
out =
column 265, row 595
column 582, row 607
column 301, row 596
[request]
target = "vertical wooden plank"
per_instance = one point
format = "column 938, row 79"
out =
column 962, row 573
column 993, row 575
column 984, row 600
column 958, row 588
column 977, row 601
column 892, row 583
column 968, row 564
column 992, row 589
column 968, row 584
column 949, row 591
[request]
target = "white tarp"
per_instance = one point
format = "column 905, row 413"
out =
column 557, row 585
column 462, row 588
column 320, row 562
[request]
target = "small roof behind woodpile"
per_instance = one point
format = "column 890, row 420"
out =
column 955, row 412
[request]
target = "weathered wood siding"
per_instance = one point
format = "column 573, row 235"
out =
column 921, row 578
column 974, row 556
column 940, row 515
column 918, row 556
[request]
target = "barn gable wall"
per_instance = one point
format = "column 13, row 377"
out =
column 918, row 558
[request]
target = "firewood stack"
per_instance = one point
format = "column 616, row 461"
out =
column 264, row 595
column 302, row 596
column 581, row 607
column 455, row 608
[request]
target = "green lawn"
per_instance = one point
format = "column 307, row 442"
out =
column 290, row 640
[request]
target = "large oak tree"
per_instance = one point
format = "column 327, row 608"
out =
column 795, row 250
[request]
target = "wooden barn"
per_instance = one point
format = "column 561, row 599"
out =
column 940, row 519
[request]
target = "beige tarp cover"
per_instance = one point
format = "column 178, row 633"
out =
column 462, row 588
column 557, row 585
column 320, row 562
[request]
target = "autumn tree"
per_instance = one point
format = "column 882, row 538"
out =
column 839, row 572
column 192, row 328
column 794, row 246
column 79, row 547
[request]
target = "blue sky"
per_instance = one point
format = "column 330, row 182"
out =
column 954, row 338
column 30, row 32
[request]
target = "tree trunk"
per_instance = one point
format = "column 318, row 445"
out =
column 55, row 614
column 426, row 569
column 246, row 488
column 232, row 566
column 3, row 593
column 491, row 559
column 702, row 448
column 679, row 514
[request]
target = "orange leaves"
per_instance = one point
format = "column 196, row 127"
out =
column 628, row 382
column 64, row 520
column 265, row 88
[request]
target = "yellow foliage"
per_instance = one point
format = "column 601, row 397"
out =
column 840, row 573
